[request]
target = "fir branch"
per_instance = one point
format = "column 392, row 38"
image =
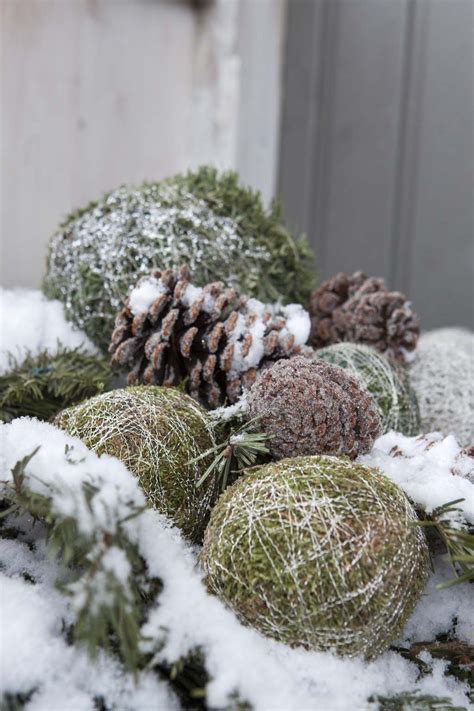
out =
column 458, row 541
column 236, row 450
column 41, row 385
column 106, row 597
column 414, row 701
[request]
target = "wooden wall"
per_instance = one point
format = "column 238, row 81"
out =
column 377, row 144
column 97, row 93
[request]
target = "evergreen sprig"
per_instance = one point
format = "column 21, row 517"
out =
column 458, row 541
column 107, row 604
column 41, row 385
column 414, row 701
column 240, row 449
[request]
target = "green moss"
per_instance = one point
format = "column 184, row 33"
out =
column 155, row 432
column 319, row 552
column 388, row 386
column 42, row 385
column 206, row 219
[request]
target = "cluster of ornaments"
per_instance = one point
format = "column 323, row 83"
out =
column 310, row 548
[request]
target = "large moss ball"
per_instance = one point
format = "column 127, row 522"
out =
column 442, row 376
column 392, row 393
column 156, row 432
column 317, row 552
column 204, row 219
column 311, row 407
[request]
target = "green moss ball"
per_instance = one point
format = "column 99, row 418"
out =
column 156, row 432
column 388, row 386
column 318, row 552
column 204, row 219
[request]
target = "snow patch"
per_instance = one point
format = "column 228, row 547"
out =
column 32, row 323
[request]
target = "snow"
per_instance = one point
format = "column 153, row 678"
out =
column 184, row 616
column 143, row 295
column 32, row 323
column 298, row 323
column 431, row 470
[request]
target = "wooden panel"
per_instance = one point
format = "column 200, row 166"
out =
column 443, row 225
column 94, row 94
column 377, row 144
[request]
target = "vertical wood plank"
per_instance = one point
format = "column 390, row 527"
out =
column 443, row 225
column 358, row 178
column 300, row 114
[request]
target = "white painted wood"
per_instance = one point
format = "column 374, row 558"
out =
column 96, row 93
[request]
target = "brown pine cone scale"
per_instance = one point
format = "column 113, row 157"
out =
column 360, row 309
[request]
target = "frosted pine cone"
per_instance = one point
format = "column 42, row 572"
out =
column 170, row 331
column 360, row 309
column 312, row 407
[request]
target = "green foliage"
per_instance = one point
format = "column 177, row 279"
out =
column 108, row 614
column 458, row 541
column 40, row 386
column 291, row 274
column 237, row 450
column 414, row 702
column 220, row 229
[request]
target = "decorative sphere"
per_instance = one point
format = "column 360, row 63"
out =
column 310, row 407
column 156, row 432
column 442, row 377
column 393, row 396
column 206, row 220
column 317, row 552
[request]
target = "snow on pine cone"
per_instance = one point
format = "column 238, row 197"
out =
column 170, row 331
column 360, row 309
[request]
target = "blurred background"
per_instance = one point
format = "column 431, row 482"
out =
column 358, row 114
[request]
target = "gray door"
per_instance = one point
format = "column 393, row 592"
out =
column 377, row 149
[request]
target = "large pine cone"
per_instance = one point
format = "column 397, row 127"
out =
column 312, row 407
column 360, row 309
column 170, row 331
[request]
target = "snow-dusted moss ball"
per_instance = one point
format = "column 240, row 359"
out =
column 441, row 374
column 156, row 432
column 208, row 221
column 458, row 338
column 311, row 407
column 317, row 552
column 394, row 397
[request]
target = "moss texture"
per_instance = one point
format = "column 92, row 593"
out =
column 317, row 552
column 219, row 228
column 392, row 393
column 155, row 432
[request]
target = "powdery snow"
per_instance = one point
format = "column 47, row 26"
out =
column 144, row 294
column 31, row 322
column 431, row 470
column 265, row 673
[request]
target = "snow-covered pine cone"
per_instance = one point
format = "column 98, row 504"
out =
column 360, row 309
column 312, row 407
column 170, row 331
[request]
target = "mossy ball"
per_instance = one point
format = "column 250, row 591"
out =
column 392, row 393
column 441, row 374
column 317, row 552
column 156, row 432
column 207, row 220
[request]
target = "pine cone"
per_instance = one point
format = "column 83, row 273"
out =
column 312, row 407
column 170, row 331
column 359, row 308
